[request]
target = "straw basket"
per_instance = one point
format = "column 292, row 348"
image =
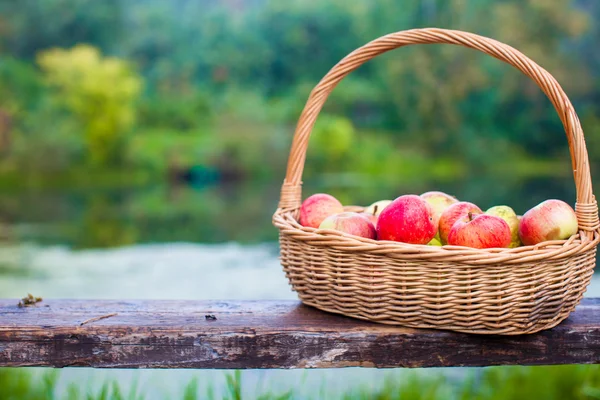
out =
column 489, row 291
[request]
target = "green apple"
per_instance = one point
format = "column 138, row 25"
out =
column 435, row 242
column 511, row 218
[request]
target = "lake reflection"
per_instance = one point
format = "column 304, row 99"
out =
column 224, row 213
column 160, row 271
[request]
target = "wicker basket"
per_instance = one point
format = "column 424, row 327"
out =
column 489, row 291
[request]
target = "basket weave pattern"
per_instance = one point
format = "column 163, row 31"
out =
column 491, row 291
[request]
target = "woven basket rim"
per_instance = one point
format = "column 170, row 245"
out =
column 579, row 243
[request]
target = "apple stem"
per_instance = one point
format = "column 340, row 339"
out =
column 470, row 216
column 375, row 210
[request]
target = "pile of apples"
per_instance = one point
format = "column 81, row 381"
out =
column 437, row 219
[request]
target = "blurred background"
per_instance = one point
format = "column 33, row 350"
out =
column 143, row 144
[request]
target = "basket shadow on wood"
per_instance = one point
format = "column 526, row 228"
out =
column 484, row 291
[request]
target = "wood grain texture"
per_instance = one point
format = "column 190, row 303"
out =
column 264, row 334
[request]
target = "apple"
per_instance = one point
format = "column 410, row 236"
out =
column 372, row 218
column 480, row 231
column 439, row 201
column 351, row 223
column 318, row 207
column 434, row 242
column 407, row 219
column 549, row 220
column 452, row 214
column 375, row 209
column 510, row 216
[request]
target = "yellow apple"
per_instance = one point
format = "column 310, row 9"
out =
column 511, row 218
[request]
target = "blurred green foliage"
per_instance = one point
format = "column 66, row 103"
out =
column 99, row 92
column 167, row 87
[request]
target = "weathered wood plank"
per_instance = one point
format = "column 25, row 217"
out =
column 263, row 334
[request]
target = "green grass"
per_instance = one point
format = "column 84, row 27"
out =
column 572, row 382
column 576, row 382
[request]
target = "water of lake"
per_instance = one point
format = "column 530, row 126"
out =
column 191, row 243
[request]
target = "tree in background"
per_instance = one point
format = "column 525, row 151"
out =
column 254, row 62
column 444, row 96
column 26, row 26
column 99, row 91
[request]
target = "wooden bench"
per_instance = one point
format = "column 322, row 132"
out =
column 263, row 334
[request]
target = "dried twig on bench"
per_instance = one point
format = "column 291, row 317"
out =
column 87, row 321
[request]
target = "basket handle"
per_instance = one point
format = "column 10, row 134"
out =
column 586, row 207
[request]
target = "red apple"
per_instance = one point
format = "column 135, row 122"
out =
column 318, row 207
column 371, row 217
column 549, row 220
column 452, row 214
column 480, row 231
column 439, row 201
column 374, row 210
column 350, row 222
column 407, row 219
